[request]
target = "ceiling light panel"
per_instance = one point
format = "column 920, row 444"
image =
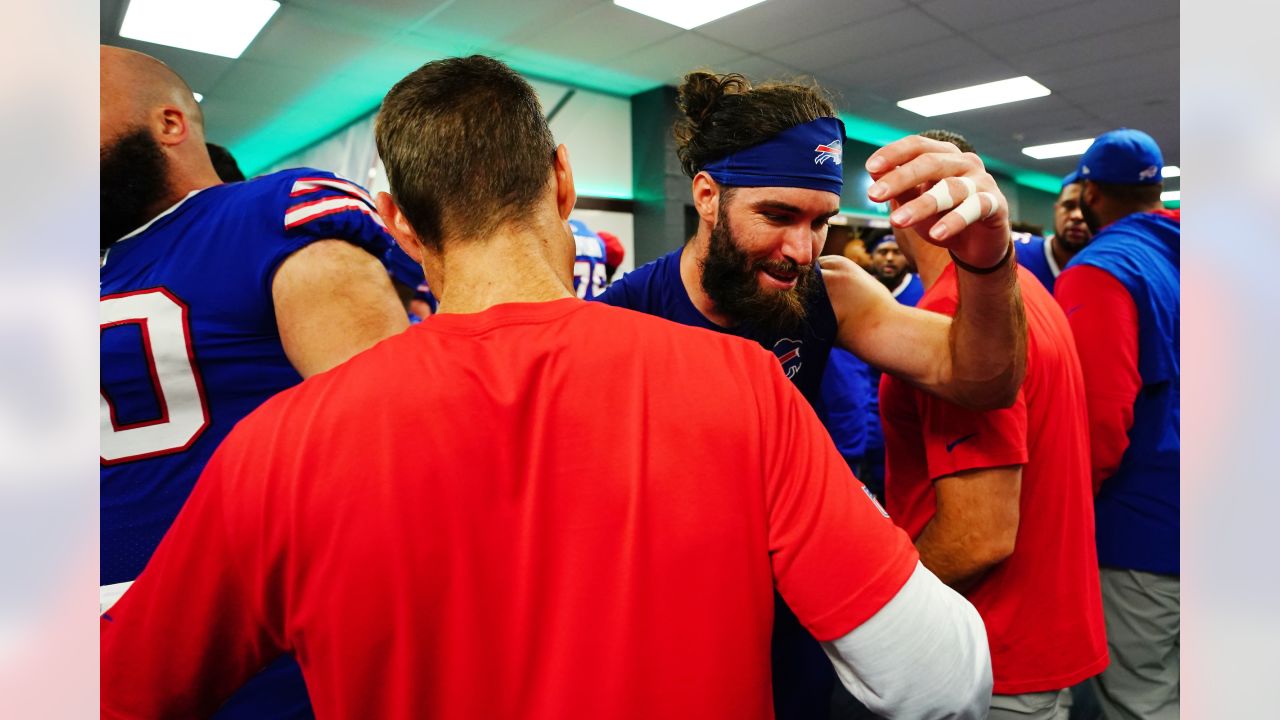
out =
column 687, row 14
column 1057, row 150
column 217, row 27
column 1171, row 196
column 976, row 96
column 1171, row 171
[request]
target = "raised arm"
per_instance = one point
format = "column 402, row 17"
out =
column 977, row 360
column 332, row 301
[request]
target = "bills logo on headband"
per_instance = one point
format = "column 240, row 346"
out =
column 788, row 352
column 832, row 151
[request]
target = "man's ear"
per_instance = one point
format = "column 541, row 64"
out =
column 170, row 125
column 566, row 194
column 1088, row 193
column 706, row 197
column 399, row 227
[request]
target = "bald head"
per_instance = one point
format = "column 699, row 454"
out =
column 135, row 85
column 151, row 140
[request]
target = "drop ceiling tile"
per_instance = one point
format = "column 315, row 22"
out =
column 886, row 34
column 1070, row 23
column 976, row 14
column 601, row 33
column 1092, row 49
column 669, row 60
column 782, row 22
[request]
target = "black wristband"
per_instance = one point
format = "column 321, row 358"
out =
column 982, row 271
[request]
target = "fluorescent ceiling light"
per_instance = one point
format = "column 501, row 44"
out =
column 1171, row 195
column 687, row 14
column 216, row 27
column 977, row 96
column 199, row 97
column 1170, row 171
column 1057, row 150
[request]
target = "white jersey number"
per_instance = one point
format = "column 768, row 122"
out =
column 166, row 345
column 588, row 278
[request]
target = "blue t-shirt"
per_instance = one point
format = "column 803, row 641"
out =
column 590, row 277
column 910, row 289
column 1036, row 254
column 656, row 289
column 189, row 346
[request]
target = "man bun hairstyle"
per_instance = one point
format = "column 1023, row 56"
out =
column 466, row 146
column 722, row 114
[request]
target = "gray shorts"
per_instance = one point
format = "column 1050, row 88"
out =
column 1142, row 611
column 1049, row 705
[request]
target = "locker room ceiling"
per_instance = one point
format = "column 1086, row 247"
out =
column 318, row 64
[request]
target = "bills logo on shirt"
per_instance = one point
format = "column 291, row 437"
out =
column 788, row 352
column 832, row 151
column 874, row 501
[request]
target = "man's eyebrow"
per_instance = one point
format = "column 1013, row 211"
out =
column 787, row 207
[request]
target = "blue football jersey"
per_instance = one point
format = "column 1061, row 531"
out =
column 590, row 277
column 189, row 342
column 909, row 290
column 656, row 288
column 1036, row 255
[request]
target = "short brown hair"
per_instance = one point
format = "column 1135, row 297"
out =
column 722, row 114
column 950, row 136
column 466, row 146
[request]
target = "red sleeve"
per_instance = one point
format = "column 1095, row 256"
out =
column 956, row 439
column 188, row 633
column 837, row 559
column 1104, row 321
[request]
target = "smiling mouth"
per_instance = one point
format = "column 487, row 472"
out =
column 781, row 278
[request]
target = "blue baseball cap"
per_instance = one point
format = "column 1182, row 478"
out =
column 1071, row 178
column 1122, row 157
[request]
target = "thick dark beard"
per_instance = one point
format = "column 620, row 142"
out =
column 134, row 178
column 729, row 279
column 1091, row 218
column 891, row 281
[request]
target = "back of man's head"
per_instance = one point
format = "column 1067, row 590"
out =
column 950, row 136
column 722, row 114
column 133, row 85
column 466, row 147
column 224, row 163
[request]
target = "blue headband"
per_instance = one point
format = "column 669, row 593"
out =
column 806, row 156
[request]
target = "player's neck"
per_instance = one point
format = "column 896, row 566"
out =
column 183, row 183
column 691, row 278
column 513, row 265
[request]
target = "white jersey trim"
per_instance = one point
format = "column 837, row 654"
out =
column 1048, row 256
column 903, row 284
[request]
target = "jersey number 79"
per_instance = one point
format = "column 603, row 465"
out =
column 178, row 393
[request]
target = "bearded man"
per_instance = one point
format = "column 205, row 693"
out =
column 766, row 165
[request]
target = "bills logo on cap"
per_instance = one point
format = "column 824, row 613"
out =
column 1149, row 173
column 829, row 151
column 788, row 352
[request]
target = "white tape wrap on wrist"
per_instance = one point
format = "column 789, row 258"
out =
column 941, row 193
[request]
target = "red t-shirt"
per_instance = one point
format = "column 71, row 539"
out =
column 456, row 524
column 1042, row 606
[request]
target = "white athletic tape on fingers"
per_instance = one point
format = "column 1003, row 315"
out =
column 971, row 208
column 941, row 193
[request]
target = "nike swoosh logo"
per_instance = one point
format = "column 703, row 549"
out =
column 952, row 445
